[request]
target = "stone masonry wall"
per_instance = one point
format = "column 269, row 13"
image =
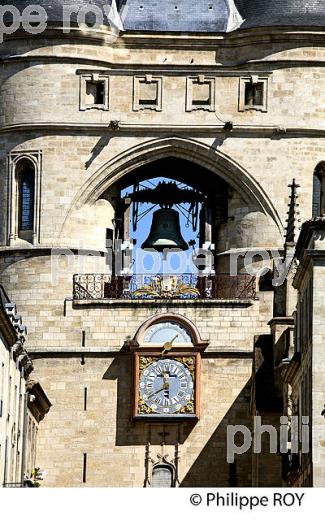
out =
column 39, row 111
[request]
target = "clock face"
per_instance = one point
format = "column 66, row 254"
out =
column 166, row 331
column 167, row 387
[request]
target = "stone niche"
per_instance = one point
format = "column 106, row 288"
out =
column 147, row 93
column 200, row 93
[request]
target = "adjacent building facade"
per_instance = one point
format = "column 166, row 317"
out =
column 225, row 99
column 23, row 403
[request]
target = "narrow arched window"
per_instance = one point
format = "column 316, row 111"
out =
column 319, row 190
column 162, row 476
column 26, row 198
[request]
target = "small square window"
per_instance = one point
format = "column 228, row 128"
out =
column 253, row 94
column 200, row 94
column 94, row 92
column 147, row 93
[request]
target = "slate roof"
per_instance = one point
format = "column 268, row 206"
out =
column 259, row 13
column 196, row 15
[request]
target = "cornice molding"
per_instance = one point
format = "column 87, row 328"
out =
column 164, row 303
column 304, row 252
column 46, row 249
column 54, row 352
column 157, row 129
column 139, row 39
column 309, row 257
column 281, row 320
column 7, row 329
column 218, row 68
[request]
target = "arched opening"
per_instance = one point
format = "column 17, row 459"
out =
column 231, row 212
column 168, row 201
column 208, row 157
column 25, row 182
column 318, row 207
column 162, row 476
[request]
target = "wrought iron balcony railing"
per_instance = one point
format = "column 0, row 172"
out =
column 148, row 287
column 26, row 483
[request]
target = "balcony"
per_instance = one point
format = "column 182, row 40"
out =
column 163, row 287
column 24, row 484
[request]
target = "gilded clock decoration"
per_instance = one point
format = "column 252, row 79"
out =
column 189, row 362
column 144, row 361
column 188, row 409
column 166, row 386
column 143, row 408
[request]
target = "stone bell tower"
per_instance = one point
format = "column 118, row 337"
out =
column 221, row 98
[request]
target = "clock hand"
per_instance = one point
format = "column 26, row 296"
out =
column 165, row 387
column 168, row 345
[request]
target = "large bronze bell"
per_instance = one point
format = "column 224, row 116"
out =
column 165, row 232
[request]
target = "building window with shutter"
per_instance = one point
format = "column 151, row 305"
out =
column 253, row 94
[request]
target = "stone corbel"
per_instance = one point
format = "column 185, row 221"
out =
column 28, row 368
column 22, row 333
column 25, row 362
column 17, row 349
column 11, row 309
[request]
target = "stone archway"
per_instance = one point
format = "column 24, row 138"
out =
column 179, row 147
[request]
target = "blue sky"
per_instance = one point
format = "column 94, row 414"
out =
column 145, row 224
